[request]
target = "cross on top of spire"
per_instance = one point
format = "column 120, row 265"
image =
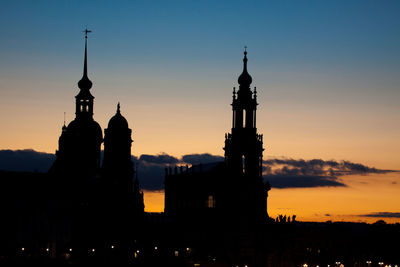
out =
column 86, row 31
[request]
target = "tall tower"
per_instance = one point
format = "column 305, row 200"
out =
column 244, row 147
column 84, row 99
column 244, row 151
column 117, row 164
column 80, row 141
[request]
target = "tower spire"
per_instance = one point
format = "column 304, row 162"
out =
column 85, row 83
column 245, row 78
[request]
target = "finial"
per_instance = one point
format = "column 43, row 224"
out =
column 86, row 31
column 255, row 90
column 64, row 118
column 85, row 83
column 245, row 78
column 234, row 93
column 118, row 108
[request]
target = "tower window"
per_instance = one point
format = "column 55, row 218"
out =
column 244, row 118
column 211, row 202
column 243, row 164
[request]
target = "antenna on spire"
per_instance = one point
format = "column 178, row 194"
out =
column 118, row 108
column 245, row 48
column 64, row 118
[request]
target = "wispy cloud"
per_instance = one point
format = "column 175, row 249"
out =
column 294, row 173
column 382, row 215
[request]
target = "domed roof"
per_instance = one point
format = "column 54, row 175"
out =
column 85, row 83
column 245, row 78
column 118, row 121
column 86, row 128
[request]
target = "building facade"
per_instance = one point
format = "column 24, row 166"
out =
column 233, row 189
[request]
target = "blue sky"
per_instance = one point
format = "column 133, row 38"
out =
column 327, row 74
column 329, row 68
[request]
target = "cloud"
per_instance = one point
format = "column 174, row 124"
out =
column 382, row 215
column 302, row 181
column 201, row 158
column 295, row 173
column 27, row 160
column 280, row 172
column 159, row 159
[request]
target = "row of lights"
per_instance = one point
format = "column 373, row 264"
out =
column 339, row 264
column 176, row 252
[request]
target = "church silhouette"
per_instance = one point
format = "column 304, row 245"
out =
column 89, row 210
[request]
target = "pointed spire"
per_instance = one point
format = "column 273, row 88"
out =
column 118, row 108
column 64, row 128
column 85, row 83
column 245, row 78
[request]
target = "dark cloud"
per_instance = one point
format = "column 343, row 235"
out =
column 27, row 160
column 294, row 173
column 159, row 159
column 151, row 175
column 301, row 181
column 382, row 215
column 281, row 173
column 201, row 158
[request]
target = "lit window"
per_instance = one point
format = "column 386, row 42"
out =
column 176, row 253
column 244, row 118
column 211, row 202
column 243, row 164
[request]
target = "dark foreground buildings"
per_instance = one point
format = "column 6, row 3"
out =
column 86, row 211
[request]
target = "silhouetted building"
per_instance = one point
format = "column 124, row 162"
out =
column 232, row 190
column 80, row 142
column 105, row 202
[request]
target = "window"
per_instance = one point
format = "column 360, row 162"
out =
column 243, row 164
column 244, row 118
column 211, row 202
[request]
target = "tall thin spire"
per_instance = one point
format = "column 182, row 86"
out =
column 85, row 83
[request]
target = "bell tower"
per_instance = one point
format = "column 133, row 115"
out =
column 244, row 147
column 84, row 99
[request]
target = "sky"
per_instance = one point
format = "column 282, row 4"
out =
column 327, row 76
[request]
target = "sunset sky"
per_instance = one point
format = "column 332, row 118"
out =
column 327, row 75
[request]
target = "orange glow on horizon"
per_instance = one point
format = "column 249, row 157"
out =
column 363, row 195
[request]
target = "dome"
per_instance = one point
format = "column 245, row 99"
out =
column 245, row 78
column 118, row 121
column 85, row 83
column 85, row 129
